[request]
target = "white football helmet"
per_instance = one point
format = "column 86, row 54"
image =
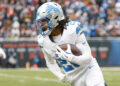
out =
column 53, row 13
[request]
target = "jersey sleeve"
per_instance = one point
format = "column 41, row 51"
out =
column 79, row 29
column 40, row 40
column 83, row 46
column 53, row 66
column 75, row 28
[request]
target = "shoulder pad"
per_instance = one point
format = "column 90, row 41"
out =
column 79, row 29
column 75, row 27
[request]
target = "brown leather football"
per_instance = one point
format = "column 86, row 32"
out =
column 74, row 49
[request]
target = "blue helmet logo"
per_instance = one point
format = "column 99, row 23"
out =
column 51, row 8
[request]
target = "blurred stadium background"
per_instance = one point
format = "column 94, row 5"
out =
column 101, row 19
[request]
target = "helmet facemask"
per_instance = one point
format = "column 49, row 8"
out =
column 42, row 26
column 45, row 26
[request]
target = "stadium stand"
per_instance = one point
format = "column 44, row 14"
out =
column 100, row 17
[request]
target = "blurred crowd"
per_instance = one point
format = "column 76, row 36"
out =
column 101, row 18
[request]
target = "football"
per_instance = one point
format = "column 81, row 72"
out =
column 74, row 49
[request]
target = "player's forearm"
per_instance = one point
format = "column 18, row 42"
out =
column 82, row 59
column 55, row 70
column 52, row 65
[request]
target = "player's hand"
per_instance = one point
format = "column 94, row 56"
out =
column 63, row 79
column 67, row 55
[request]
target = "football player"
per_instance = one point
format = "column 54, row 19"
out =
column 55, row 29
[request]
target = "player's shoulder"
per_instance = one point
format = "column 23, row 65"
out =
column 74, row 27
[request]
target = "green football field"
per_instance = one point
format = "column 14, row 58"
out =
column 43, row 77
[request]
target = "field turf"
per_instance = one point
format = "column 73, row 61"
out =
column 43, row 77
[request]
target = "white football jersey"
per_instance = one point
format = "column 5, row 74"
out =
column 72, row 35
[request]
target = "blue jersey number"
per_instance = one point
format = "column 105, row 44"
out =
column 67, row 66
